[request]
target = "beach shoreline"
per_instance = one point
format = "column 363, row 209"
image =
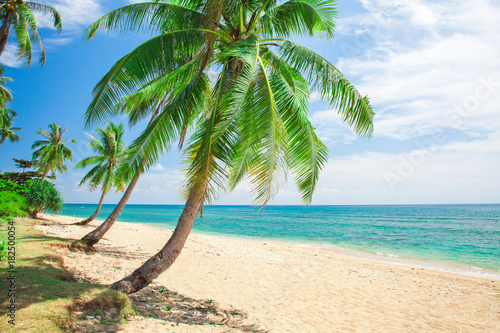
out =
column 435, row 264
column 288, row 288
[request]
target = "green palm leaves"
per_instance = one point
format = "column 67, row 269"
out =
column 7, row 117
column 52, row 151
column 224, row 72
column 109, row 149
column 19, row 15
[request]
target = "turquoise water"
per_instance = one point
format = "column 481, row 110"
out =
column 468, row 235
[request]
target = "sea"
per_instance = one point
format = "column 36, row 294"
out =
column 458, row 238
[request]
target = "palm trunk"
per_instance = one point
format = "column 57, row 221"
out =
column 34, row 214
column 162, row 260
column 95, row 236
column 4, row 32
column 46, row 172
column 93, row 216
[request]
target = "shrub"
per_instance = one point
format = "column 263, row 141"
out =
column 42, row 195
column 6, row 185
column 12, row 204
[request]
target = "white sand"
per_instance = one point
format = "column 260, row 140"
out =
column 287, row 288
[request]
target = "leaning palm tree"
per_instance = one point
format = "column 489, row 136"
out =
column 20, row 16
column 7, row 116
column 110, row 153
column 52, row 152
column 251, row 121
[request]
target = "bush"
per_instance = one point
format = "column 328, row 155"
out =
column 6, row 185
column 42, row 195
column 12, row 204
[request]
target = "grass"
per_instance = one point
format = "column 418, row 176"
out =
column 48, row 298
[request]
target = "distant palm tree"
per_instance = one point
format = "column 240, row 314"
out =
column 7, row 116
column 19, row 15
column 110, row 153
column 5, row 95
column 252, row 121
column 52, row 152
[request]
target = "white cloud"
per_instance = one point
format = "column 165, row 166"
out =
column 9, row 57
column 420, row 60
column 75, row 14
column 157, row 167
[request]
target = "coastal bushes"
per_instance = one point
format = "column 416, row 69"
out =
column 42, row 195
column 34, row 196
column 12, row 204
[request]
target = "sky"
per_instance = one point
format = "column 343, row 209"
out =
column 430, row 68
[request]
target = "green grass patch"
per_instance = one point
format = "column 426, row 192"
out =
column 47, row 297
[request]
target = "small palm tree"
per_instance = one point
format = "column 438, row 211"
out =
column 110, row 153
column 5, row 95
column 250, row 121
column 7, row 117
column 19, row 15
column 52, row 152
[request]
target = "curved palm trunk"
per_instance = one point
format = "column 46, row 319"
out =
column 4, row 32
column 94, row 236
column 93, row 216
column 46, row 172
column 162, row 260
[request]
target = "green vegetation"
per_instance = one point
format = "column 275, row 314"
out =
column 42, row 195
column 20, row 178
column 12, row 204
column 250, row 120
column 110, row 155
column 19, row 16
column 7, row 117
column 47, row 296
column 52, row 153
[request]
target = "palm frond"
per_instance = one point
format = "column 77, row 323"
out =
column 333, row 86
column 155, row 57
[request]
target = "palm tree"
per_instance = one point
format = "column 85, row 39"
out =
column 110, row 150
column 52, row 152
column 5, row 95
column 252, row 121
column 7, row 116
column 19, row 15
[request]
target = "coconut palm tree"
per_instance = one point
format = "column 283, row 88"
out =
column 110, row 149
column 7, row 116
column 251, row 121
column 5, row 95
column 52, row 152
column 20, row 16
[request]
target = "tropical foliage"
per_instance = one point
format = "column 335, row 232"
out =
column 52, row 152
column 247, row 120
column 12, row 204
column 42, row 195
column 19, row 16
column 109, row 147
column 7, row 131
column 5, row 95
column 252, row 119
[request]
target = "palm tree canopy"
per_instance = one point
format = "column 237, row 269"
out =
column 52, row 151
column 20, row 16
column 109, row 147
column 226, row 71
column 5, row 95
column 7, row 117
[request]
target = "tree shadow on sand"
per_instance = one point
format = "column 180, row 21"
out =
column 158, row 302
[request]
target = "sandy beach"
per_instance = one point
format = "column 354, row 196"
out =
column 286, row 288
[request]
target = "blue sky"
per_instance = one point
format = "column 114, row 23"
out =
column 430, row 68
